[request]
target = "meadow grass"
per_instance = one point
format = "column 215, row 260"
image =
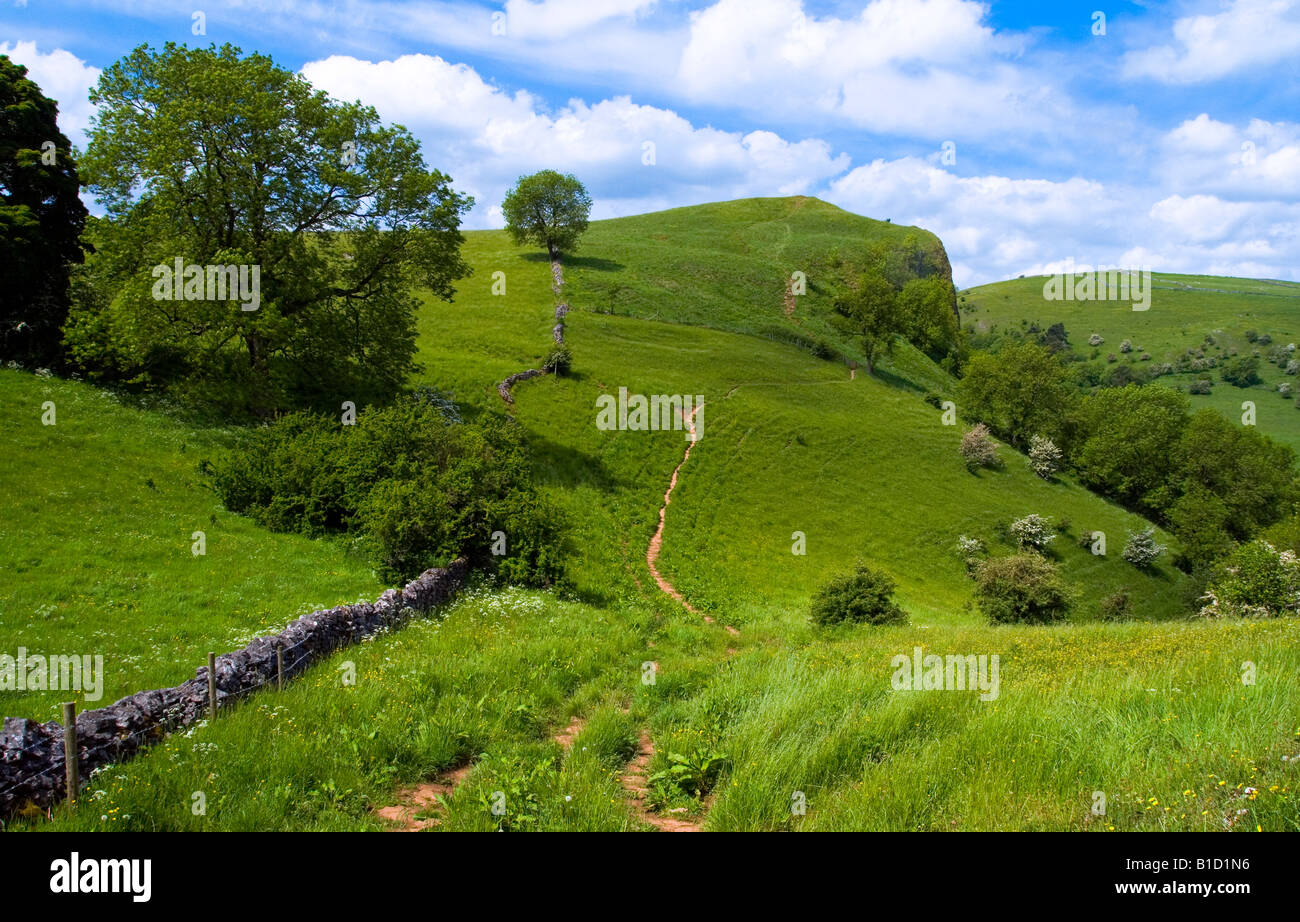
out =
column 97, row 514
column 1152, row 710
column 1184, row 310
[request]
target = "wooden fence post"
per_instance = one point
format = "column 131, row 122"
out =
column 71, row 761
column 212, row 684
column 279, row 667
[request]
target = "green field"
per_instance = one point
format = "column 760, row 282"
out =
column 1185, row 309
column 1153, row 713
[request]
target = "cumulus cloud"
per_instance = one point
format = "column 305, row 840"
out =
column 630, row 156
column 62, row 76
column 927, row 68
column 1248, row 34
column 997, row 227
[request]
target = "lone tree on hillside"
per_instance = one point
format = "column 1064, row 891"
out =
column 212, row 159
column 870, row 314
column 549, row 209
column 41, row 219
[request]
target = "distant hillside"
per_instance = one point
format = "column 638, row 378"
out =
column 863, row 467
column 1193, row 324
column 728, row 265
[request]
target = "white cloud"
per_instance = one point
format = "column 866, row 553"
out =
column 559, row 18
column 486, row 137
column 996, row 227
column 1260, row 161
column 927, row 68
column 1248, row 34
column 62, row 76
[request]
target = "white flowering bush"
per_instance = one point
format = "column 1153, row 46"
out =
column 1032, row 532
column 978, row 448
column 1258, row 581
column 1095, row 339
column 972, row 551
column 1141, row 549
column 1044, row 457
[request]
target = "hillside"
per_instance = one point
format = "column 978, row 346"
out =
column 545, row 698
column 1190, row 317
column 728, row 265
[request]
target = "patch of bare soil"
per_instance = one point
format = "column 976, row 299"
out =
column 570, row 733
column 636, row 781
column 656, row 543
column 423, row 798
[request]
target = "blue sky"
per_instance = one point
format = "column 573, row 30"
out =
column 1021, row 132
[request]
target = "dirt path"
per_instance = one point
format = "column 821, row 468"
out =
column 636, row 781
column 656, row 543
column 423, row 798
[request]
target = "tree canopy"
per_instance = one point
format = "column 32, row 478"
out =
column 548, row 209
column 870, row 314
column 41, row 220
column 212, row 158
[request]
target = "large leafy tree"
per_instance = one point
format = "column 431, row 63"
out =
column 41, row 220
column 548, row 209
column 1019, row 392
column 869, row 314
column 220, row 159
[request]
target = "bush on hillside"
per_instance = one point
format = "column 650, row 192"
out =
column 972, row 551
column 1021, row 589
column 1201, row 387
column 1243, row 371
column 1031, row 532
column 417, row 489
column 559, row 361
column 1117, row 606
column 978, row 448
column 1256, row 581
column 1141, row 549
column 863, row 596
column 1044, row 457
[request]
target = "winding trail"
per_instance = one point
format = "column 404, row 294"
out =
column 636, row 781
column 656, row 543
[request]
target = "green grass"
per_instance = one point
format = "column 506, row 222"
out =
column 1184, row 310
column 864, row 468
column 96, row 518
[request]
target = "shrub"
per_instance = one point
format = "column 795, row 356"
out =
column 1117, row 606
column 1284, row 388
column 1242, row 371
column 1095, row 339
column 1126, row 346
column 978, row 448
column 1292, row 367
column 1141, row 549
column 416, row 488
column 1023, row 588
column 1203, row 386
column 1044, row 456
column 1031, row 532
column 559, row 361
column 1256, row 581
column 972, row 551
column 861, row 596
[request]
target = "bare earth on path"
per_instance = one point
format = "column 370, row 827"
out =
column 422, row 798
column 656, row 543
column 636, row 781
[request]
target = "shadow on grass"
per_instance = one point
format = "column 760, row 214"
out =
column 597, row 263
column 561, row 465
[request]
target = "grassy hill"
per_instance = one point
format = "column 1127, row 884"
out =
column 728, row 265
column 1153, row 712
column 1209, row 315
